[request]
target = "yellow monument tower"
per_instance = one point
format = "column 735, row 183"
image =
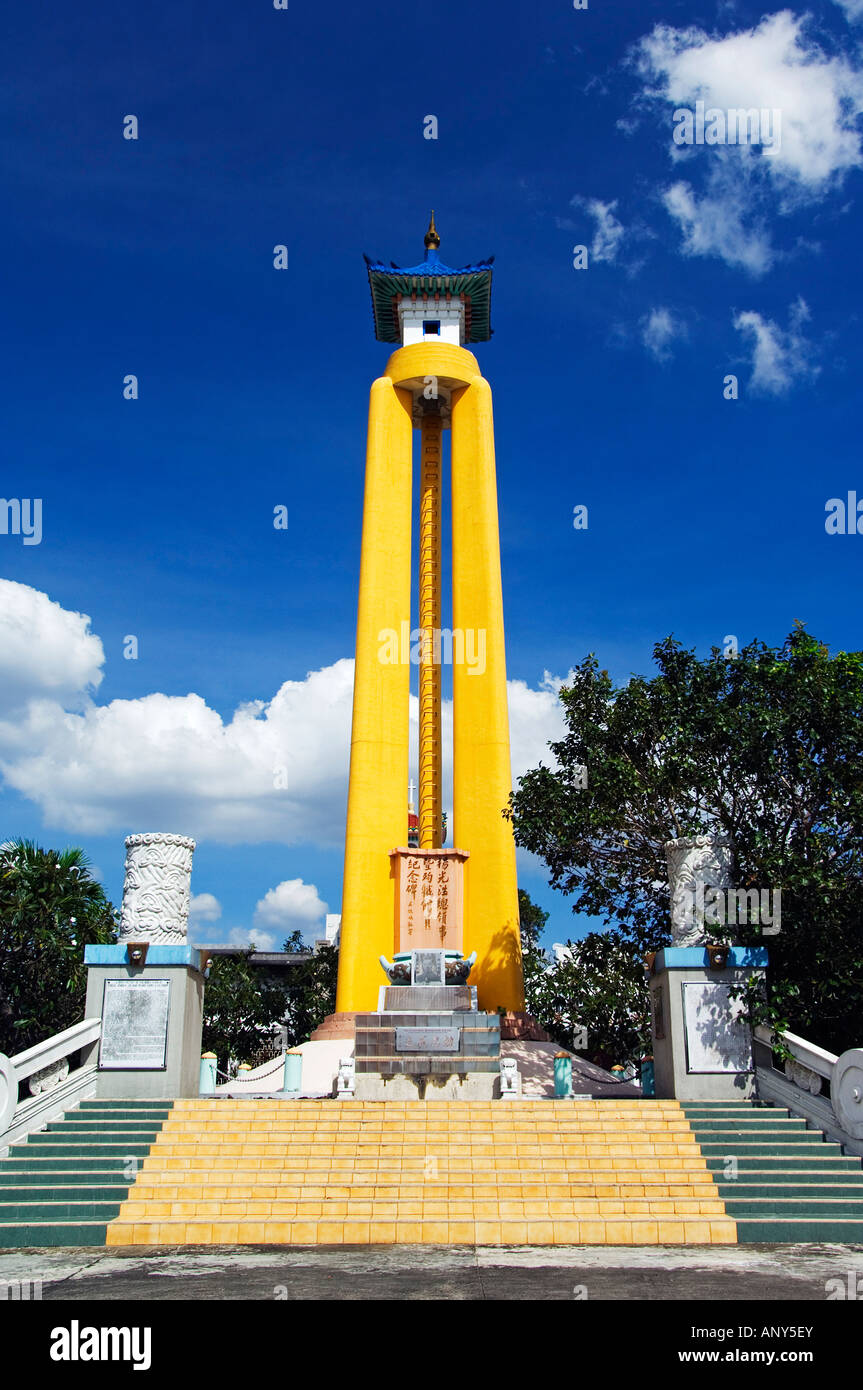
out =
column 399, row 897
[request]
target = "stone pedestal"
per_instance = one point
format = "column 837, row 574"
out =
column 427, row 1042
column 151, row 1025
column 148, row 990
column 701, row 1050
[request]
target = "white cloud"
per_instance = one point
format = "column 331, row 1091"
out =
column 535, row 719
column 291, row 905
column 608, row 232
column 45, row 649
column 722, row 207
column 244, row 937
column 716, row 224
column 659, row 330
column 853, row 10
column 779, row 357
column 771, row 67
column 204, row 907
column 275, row 771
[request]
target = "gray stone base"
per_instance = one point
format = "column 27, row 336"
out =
column 701, row 1058
column 456, row 1086
column 180, row 1076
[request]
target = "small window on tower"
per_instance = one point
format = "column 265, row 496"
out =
column 432, row 326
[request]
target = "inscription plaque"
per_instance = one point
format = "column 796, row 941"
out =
column 427, row 1039
column 717, row 1037
column 134, row 1025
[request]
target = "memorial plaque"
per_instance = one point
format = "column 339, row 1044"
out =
column 428, row 968
column 430, row 1040
column 429, row 898
column 134, row 1025
column 718, row 1038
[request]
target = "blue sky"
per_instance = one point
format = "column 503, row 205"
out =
column 305, row 127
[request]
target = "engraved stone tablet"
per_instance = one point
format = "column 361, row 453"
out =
column 429, row 1040
column 134, row 1025
column 718, row 1039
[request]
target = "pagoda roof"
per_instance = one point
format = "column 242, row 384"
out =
column 391, row 283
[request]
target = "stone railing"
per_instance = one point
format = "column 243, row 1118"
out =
column 54, row 1080
column 824, row 1089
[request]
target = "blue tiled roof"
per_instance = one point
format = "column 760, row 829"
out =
column 471, row 283
column 432, row 265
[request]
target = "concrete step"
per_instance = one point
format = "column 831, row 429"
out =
column 20, row 1235
column 58, row 1210
column 45, row 1163
column 836, row 1230
column 451, row 1209
column 376, row 1188
column 792, row 1186
column 745, row 1148
column 71, row 1191
column 80, row 1152
column 365, row 1231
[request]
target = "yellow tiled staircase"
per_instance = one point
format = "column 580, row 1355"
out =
column 352, row 1172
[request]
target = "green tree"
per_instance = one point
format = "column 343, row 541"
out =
column 241, row 1005
column 764, row 747
column 51, row 907
column 311, row 988
column 531, row 921
column 599, row 985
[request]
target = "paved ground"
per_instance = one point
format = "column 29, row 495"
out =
column 461, row 1273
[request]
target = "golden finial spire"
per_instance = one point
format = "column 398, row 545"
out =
column 431, row 237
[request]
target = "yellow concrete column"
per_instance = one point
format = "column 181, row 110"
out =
column 377, row 794
column 482, row 778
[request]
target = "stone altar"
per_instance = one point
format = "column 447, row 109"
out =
column 428, row 1041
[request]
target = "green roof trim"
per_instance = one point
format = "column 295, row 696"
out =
column 390, row 284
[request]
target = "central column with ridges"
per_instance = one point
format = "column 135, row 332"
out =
column 430, row 808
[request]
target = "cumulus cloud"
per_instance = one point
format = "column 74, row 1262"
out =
column 660, row 329
column 774, row 67
column 204, row 907
column 779, row 356
column 853, row 10
column 45, row 649
column 275, row 771
column 291, row 905
column 246, row 937
column 720, row 223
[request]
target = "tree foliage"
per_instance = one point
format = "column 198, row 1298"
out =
column 243, row 1002
column 764, row 747
column 241, row 1007
column 311, row 989
column 599, row 985
column 51, row 907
